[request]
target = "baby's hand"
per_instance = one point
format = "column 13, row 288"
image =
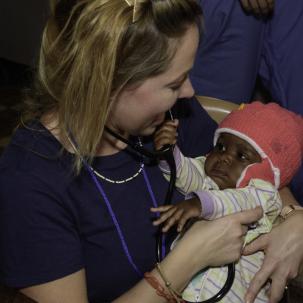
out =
column 166, row 134
column 177, row 214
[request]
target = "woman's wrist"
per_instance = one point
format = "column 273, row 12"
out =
column 183, row 262
column 289, row 210
column 162, row 285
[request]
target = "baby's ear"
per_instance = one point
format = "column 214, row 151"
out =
column 262, row 170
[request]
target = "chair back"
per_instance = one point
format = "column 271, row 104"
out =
column 216, row 108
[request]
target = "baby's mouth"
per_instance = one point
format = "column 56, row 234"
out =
column 218, row 172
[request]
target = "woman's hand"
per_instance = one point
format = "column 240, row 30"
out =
column 258, row 7
column 218, row 242
column 283, row 248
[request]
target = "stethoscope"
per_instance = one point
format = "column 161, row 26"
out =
column 166, row 153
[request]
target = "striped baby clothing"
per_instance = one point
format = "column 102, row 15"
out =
column 216, row 203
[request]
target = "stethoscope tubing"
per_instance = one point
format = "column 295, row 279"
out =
column 167, row 153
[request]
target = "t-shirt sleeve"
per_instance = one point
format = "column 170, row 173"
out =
column 38, row 236
column 196, row 128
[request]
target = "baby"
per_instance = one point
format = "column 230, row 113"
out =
column 257, row 150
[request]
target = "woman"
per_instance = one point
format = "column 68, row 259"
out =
column 75, row 202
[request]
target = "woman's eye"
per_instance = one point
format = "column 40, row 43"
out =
column 175, row 88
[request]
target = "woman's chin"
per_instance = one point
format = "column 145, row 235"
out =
column 148, row 131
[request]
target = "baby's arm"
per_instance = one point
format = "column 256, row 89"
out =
column 190, row 171
column 219, row 203
column 191, row 176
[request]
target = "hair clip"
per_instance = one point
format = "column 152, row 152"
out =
column 136, row 4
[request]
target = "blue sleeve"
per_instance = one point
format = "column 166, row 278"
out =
column 296, row 185
column 196, row 128
column 32, row 224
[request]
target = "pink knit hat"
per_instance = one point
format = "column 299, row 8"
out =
column 275, row 133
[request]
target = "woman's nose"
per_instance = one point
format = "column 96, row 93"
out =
column 187, row 89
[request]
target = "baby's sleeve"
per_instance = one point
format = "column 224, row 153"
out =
column 191, row 176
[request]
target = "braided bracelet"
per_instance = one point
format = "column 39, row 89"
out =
column 175, row 294
column 160, row 290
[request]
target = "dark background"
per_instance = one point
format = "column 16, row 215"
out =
column 21, row 25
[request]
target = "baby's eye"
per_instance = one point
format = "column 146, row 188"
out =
column 243, row 156
column 220, row 147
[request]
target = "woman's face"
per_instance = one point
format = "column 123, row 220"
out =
column 139, row 111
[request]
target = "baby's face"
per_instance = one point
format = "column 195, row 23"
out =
column 225, row 163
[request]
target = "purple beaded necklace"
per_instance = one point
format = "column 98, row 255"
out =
column 114, row 218
column 99, row 187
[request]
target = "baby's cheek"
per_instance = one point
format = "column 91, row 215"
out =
column 237, row 172
column 208, row 164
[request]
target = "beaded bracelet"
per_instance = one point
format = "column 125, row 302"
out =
column 160, row 290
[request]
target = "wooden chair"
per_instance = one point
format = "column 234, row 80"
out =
column 217, row 108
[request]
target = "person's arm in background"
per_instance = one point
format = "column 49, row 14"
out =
column 283, row 248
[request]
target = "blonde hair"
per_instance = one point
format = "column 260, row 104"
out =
column 91, row 50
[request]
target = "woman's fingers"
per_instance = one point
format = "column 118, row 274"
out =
column 283, row 248
column 276, row 291
column 259, row 280
column 249, row 216
column 268, row 272
column 257, row 245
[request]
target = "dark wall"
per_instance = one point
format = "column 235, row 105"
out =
column 21, row 25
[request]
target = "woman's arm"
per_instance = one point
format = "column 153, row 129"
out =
column 283, row 248
column 71, row 288
column 287, row 197
column 218, row 242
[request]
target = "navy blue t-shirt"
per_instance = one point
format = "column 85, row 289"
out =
column 53, row 224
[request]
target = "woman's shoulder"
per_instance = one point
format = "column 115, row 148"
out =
column 33, row 156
